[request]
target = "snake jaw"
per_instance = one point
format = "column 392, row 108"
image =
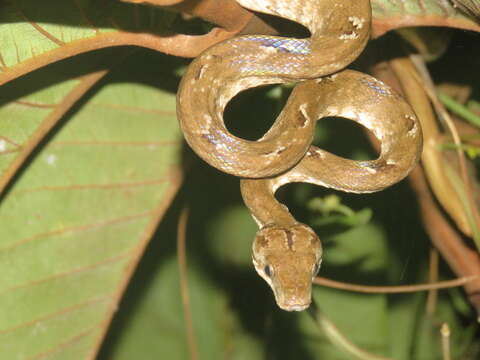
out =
column 287, row 258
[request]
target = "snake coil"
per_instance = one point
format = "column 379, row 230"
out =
column 286, row 253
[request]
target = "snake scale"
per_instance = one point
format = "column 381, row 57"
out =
column 286, row 253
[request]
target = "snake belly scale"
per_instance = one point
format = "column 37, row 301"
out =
column 286, row 253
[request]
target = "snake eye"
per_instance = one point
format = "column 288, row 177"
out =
column 267, row 270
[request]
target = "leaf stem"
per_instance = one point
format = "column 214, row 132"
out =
column 182, row 268
column 393, row 289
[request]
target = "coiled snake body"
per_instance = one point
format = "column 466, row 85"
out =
column 286, row 253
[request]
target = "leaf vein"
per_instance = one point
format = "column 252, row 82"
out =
column 115, row 143
column 10, row 141
column 57, row 313
column 34, row 104
column 95, row 186
column 421, row 5
column 37, row 27
column 136, row 108
column 74, row 271
column 74, row 229
column 3, row 66
column 63, row 345
column 446, row 8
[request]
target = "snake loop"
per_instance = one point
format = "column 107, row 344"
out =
column 339, row 32
column 286, row 253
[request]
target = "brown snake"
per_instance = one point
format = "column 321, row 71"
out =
column 286, row 253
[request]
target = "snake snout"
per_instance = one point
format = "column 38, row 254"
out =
column 293, row 288
column 294, row 304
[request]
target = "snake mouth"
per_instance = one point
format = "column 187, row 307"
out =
column 296, row 307
column 294, row 304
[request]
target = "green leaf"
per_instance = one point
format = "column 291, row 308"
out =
column 28, row 31
column 75, row 222
column 95, row 151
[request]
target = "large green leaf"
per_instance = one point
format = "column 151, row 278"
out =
column 75, row 221
column 89, row 162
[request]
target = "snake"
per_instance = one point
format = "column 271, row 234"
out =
column 286, row 253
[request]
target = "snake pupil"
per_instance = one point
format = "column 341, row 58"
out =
column 267, row 270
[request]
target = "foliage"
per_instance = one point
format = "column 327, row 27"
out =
column 92, row 158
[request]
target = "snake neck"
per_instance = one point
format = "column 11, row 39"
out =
column 259, row 197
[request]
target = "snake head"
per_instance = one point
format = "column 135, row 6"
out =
column 288, row 258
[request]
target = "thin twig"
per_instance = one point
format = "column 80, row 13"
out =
column 182, row 268
column 337, row 338
column 432, row 279
column 393, row 289
column 445, row 333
